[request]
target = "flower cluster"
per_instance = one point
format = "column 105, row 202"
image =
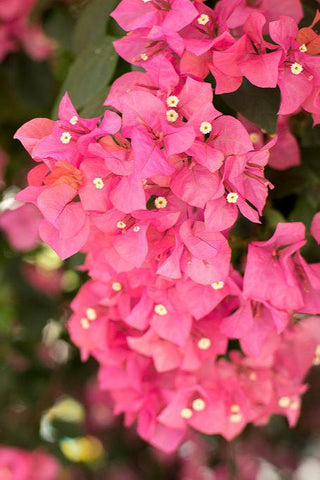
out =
column 150, row 192
column 18, row 464
column 229, row 42
column 15, row 30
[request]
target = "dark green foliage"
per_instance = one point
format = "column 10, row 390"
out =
column 259, row 105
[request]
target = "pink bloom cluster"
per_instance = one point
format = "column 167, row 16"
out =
column 150, row 192
column 17, row 464
column 15, row 30
column 229, row 42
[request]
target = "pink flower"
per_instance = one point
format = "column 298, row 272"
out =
column 248, row 57
column 315, row 227
column 153, row 138
column 21, row 226
column 143, row 44
column 150, row 191
column 285, row 152
column 298, row 72
column 15, row 30
column 270, row 262
column 17, row 464
column 270, row 8
column 170, row 14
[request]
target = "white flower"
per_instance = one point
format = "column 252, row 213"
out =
column 74, row 120
column 160, row 309
column 205, row 127
column 173, row 101
column 203, row 19
column 65, row 137
column 98, row 183
column 160, row 202
column 217, row 285
column 296, row 68
column 232, row 197
column 172, row 115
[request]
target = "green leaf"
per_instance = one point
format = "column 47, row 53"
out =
column 150, row 203
column 94, row 107
column 272, row 217
column 305, row 208
column 89, row 74
column 311, row 135
column 92, row 24
column 59, row 26
column 259, row 105
column 291, row 181
column 27, row 89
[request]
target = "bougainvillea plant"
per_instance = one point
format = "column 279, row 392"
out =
column 198, row 319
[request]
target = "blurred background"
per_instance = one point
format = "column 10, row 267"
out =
column 54, row 422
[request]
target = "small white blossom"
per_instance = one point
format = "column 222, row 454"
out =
column 198, row 404
column 186, row 413
column 116, row 286
column 121, row 225
column 205, row 127
column 217, row 285
column 160, row 202
column 91, row 314
column 303, row 48
column 74, row 120
column 173, row 101
column 172, row 115
column 98, row 183
column 204, row 343
column 203, row 19
column 296, row 68
column 65, row 137
column 160, row 309
column 232, row 197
